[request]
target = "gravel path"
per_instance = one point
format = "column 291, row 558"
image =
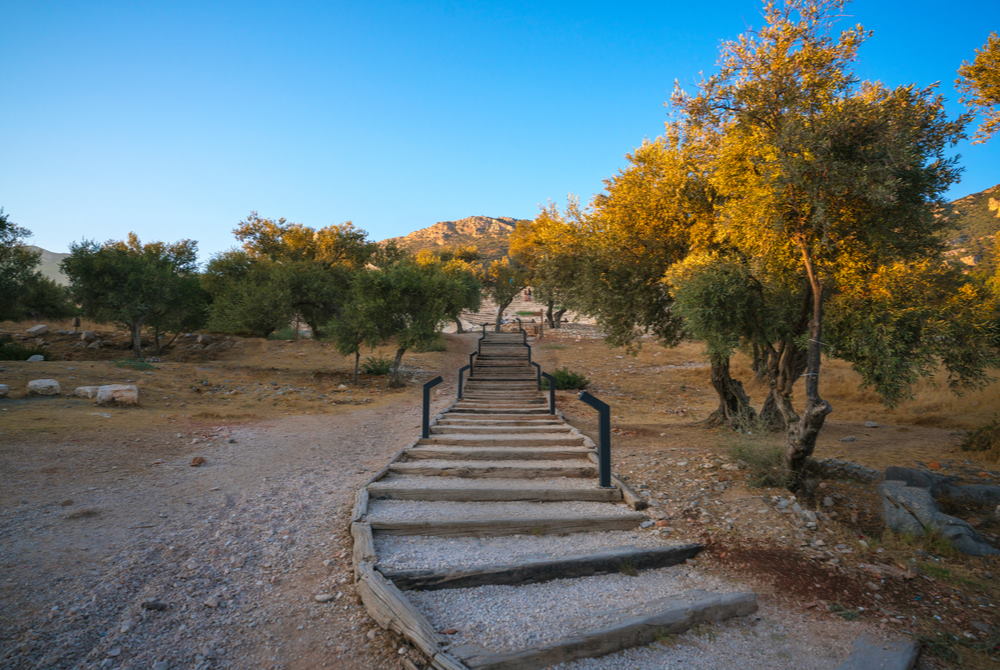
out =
column 417, row 552
column 411, row 510
column 175, row 567
column 505, row 618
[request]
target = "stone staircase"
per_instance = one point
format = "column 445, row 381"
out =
column 489, row 544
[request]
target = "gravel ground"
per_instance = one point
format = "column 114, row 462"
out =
column 410, row 510
column 419, row 482
column 770, row 639
column 209, row 567
column 406, row 552
column 506, row 618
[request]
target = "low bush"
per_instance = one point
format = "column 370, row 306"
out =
column 437, row 344
column 12, row 351
column 374, row 365
column 567, row 379
column 765, row 462
column 985, row 438
column 283, row 334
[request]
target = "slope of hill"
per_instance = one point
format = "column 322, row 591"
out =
column 488, row 234
column 978, row 220
column 49, row 264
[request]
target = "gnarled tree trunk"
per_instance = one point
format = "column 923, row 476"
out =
column 734, row 404
column 396, row 378
column 785, row 364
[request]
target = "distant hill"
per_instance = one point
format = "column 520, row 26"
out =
column 488, row 234
column 49, row 264
column 978, row 218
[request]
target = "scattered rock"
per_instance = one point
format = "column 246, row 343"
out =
column 849, row 438
column 197, row 461
column 646, row 524
column 43, row 387
column 323, row 597
column 4, row 390
column 372, row 633
column 871, row 424
column 88, row 336
column 155, row 605
column 35, row 358
column 38, row 331
column 118, row 394
column 211, row 602
column 887, row 655
column 96, row 344
column 910, row 509
column 85, row 391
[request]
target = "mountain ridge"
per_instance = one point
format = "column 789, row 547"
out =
column 489, row 234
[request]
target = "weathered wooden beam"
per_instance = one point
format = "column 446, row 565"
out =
column 541, row 570
column 496, row 527
column 391, row 609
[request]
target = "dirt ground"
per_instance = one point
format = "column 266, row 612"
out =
column 116, row 553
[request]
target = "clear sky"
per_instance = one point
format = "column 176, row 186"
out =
column 176, row 119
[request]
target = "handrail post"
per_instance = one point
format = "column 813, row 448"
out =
column 461, row 375
column 552, row 392
column 471, row 363
column 426, row 432
column 604, row 445
column 538, row 374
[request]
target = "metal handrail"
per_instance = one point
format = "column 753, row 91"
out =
column 471, row 361
column 604, row 444
column 552, row 391
column 426, row 432
column 538, row 373
column 461, row 376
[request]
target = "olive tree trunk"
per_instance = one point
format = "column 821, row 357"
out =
column 734, row 404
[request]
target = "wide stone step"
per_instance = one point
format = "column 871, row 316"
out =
column 446, row 429
column 519, row 440
column 505, row 469
column 500, row 423
column 487, row 412
column 406, row 487
column 531, row 571
column 415, row 517
column 496, row 453
column 601, row 633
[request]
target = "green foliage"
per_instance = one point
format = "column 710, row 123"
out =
column 17, row 267
column 43, row 298
column 979, row 83
column 503, row 280
column 375, row 365
column 13, row 351
column 566, row 380
column 249, row 297
column 137, row 285
column 764, row 461
column 133, row 364
column 437, row 344
column 286, row 333
column 985, row 438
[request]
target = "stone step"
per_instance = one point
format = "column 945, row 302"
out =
column 531, row 571
column 418, row 517
column 497, row 453
column 467, row 420
column 519, row 440
column 540, row 410
column 491, row 430
column 571, row 628
column 505, row 469
column 407, row 487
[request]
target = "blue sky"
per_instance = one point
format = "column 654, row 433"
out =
column 176, row 119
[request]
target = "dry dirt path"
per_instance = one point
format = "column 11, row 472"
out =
column 171, row 566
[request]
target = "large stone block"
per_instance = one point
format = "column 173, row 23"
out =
column 43, row 387
column 38, row 331
column 912, row 510
column 118, row 394
column 4, row 390
column 86, row 391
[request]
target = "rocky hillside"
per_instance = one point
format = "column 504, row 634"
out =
column 487, row 233
column 49, row 264
column 978, row 223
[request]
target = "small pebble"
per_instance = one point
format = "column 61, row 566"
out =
column 323, row 597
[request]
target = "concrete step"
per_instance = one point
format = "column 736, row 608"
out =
column 496, row 453
column 510, row 440
column 505, row 469
column 541, row 411
column 493, row 430
column 415, row 487
column 466, row 420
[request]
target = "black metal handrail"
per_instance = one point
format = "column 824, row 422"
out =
column 604, row 444
column 472, row 361
column 552, row 391
column 538, row 373
column 461, row 376
column 426, row 432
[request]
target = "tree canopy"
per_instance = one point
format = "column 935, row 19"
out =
column 979, row 82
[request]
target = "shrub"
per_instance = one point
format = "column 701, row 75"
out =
column 985, row 438
column 765, row 463
column 566, row 379
column 374, row 365
column 12, row 351
column 437, row 344
column 287, row 333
